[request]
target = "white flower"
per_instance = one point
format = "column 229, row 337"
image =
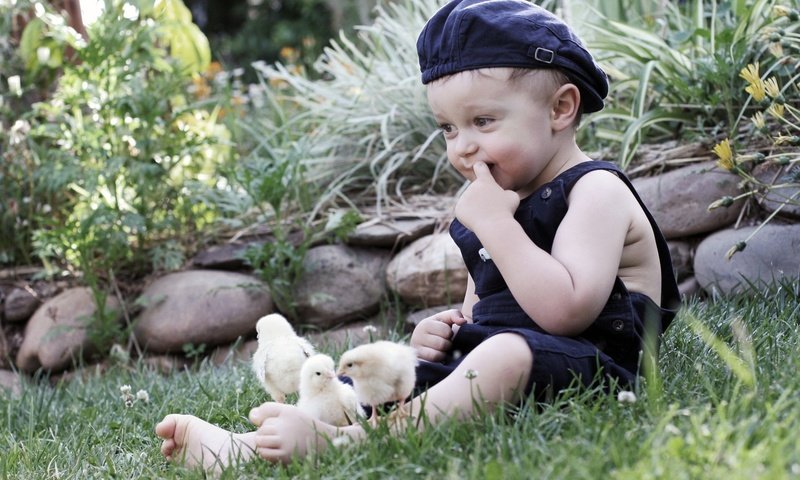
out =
column 143, row 396
column 470, row 374
column 626, row 397
column 125, row 389
column 369, row 329
column 15, row 85
column 43, row 54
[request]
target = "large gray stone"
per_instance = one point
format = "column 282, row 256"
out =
column 784, row 190
column 391, row 233
column 428, row 272
column 772, row 254
column 199, row 307
column 340, row 284
column 56, row 335
column 20, row 305
column 679, row 199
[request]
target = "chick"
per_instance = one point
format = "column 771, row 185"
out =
column 279, row 356
column 324, row 396
column 381, row 372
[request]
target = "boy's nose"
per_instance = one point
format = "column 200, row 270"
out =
column 465, row 147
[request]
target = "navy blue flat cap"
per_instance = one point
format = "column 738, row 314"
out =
column 472, row 34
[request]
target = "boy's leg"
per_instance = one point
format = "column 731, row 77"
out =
column 493, row 373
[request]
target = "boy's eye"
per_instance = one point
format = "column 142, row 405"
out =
column 446, row 127
column 482, row 121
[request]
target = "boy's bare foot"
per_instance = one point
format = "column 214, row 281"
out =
column 192, row 442
column 286, row 432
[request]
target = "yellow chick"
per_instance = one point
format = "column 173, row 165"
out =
column 381, row 372
column 324, row 396
column 279, row 356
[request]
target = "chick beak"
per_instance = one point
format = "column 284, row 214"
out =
column 331, row 374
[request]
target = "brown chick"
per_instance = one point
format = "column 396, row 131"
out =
column 381, row 372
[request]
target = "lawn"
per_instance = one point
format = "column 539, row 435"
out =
column 725, row 405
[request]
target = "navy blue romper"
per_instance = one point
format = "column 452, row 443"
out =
column 612, row 344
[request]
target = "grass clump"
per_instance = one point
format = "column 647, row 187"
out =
column 708, row 422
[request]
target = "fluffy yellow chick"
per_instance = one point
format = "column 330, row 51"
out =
column 381, row 372
column 279, row 356
column 324, row 396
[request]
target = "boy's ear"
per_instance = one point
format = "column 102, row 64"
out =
column 566, row 106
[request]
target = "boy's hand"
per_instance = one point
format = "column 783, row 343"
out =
column 484, row 200
column 432, row 336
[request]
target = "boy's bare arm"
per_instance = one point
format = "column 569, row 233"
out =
column 563, row 291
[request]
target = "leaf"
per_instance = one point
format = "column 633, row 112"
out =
column 31, row 39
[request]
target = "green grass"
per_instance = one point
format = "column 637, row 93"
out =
column 707, row 420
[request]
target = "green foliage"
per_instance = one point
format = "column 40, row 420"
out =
column 368, row 124
column 120, row 149
column 676, row 73
column 272, row 178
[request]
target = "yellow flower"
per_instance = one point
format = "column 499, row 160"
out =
column 740, row 246
column 776, row 49
column 776, row 110
column 288, row 54
column 750, row 73
column 771, row 87
column 725, row 154
column 759, row 121
column 755, row 85
column 213, row 69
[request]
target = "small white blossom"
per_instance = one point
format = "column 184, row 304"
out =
column 15, row 85
column 43, row 54
column 626, row 397
column 125, row 389
column 470, row 374
column 143, row 396
column 369, row 329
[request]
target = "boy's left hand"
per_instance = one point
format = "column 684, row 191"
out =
column 484, row 201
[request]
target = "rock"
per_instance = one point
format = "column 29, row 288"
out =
column 340, row 284
column 430, row 271
column 772, row 174
column 20, row 305
column 228, row 256
column 679, row 199
column 5, row 349
column 772, row 254
column 235, row 352
column 10, row 383
column 348, row 336
column 681, row 254
column 56, row 335
column 391, row 233
column 199, row 307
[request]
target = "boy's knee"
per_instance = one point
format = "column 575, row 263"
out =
column 512, row 350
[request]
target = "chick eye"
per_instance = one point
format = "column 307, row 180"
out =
column 349, row 364
column 318, row 373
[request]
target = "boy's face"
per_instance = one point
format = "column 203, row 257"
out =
column 506, row 124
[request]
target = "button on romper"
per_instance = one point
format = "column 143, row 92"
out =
column 610, row 347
